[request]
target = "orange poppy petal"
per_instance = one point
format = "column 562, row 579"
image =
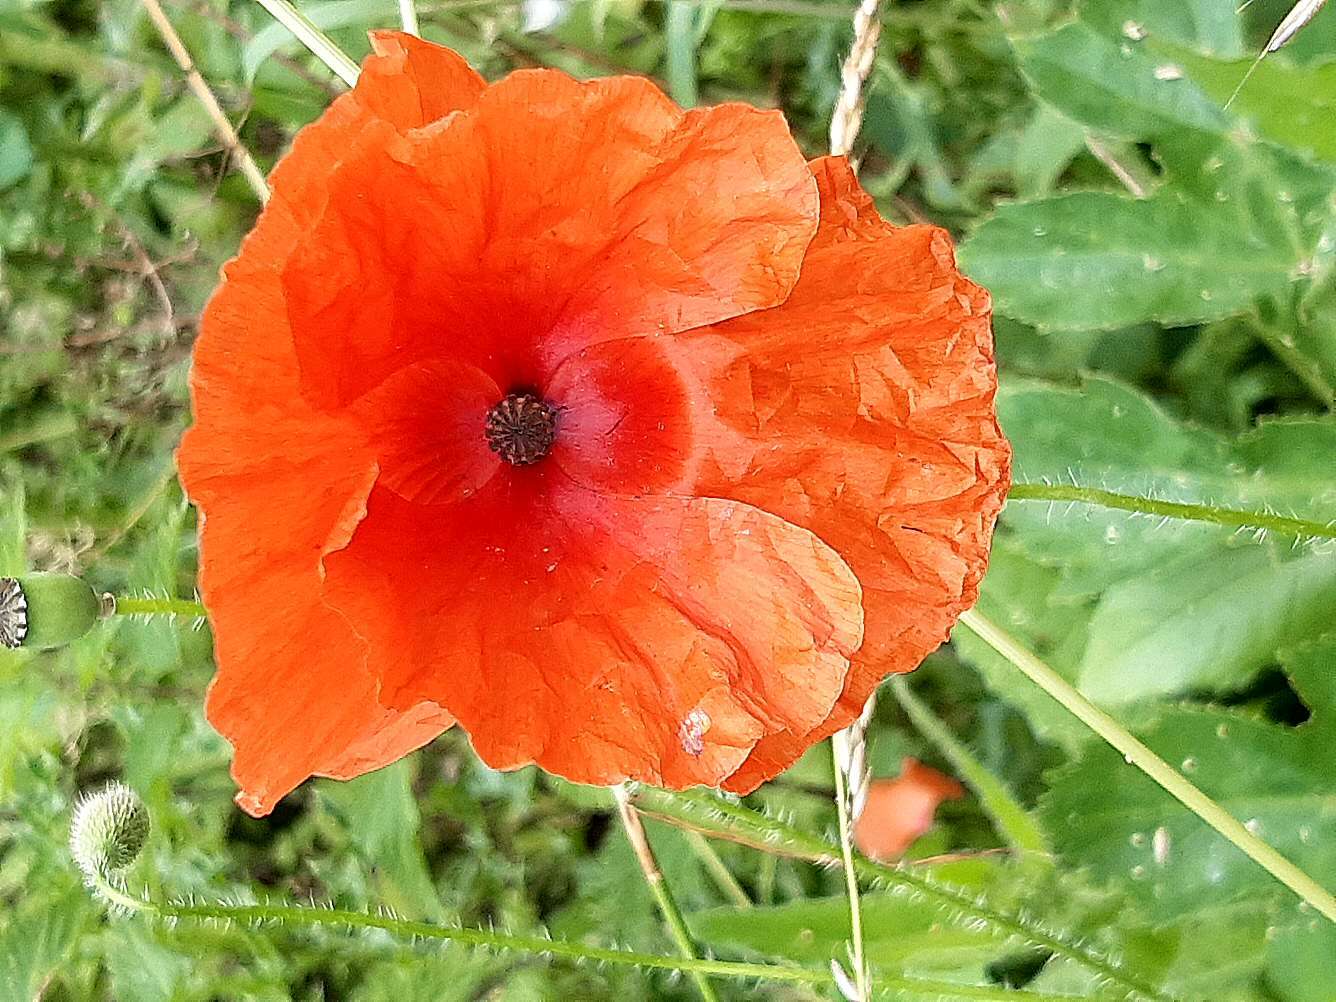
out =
column 411, row 83
column 862, row 410
column 899, row 811
column 277, row 482
column 490, row 239
column 425, row 424
column 611, row 638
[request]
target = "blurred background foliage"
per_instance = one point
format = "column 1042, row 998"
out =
column 1163, row 276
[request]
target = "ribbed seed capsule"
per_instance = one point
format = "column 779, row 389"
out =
column 40, row 611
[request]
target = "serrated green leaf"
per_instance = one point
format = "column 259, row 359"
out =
column 1203, row 624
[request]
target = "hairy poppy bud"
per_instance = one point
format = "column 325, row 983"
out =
column 108, row 832
column 46, row 610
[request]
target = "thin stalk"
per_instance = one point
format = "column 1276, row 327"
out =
column 1190, row 512
column 222, row 125
column 320, row 44
column 123, row 606
column 658, row 886
column 286, row 915
column 1010, row 819
column 680, row 32
column 1152, row 765
column 726, row 819
column 727, row 883
column 408, row 17
column 839, row 746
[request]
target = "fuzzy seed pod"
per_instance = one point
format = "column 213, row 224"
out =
column 108, row 832
column 39, row 611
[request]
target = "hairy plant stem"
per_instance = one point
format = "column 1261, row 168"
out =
column 1137, row 754
column 130, row 606
column 658, row 886
column 411, row 931
column 726, row 819
column 1190, row 512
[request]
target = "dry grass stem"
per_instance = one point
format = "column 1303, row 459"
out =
column 222, row 125
column 847, row 118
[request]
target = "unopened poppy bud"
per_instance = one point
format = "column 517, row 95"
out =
column 46, row 610
column 108, row 832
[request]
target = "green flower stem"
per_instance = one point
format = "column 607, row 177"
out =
column 1232, row 517
column 288, row 915
column 1015, row 826
column 1152, row 765
column 649, row 866
column 305, row 31
column 158, row 607
column 839, row 748
column 723, row 878
column 726, row 819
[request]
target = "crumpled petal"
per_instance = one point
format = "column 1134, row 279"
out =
column 411, row 83
column 605, row 638
column 553, row 215
column 277, row 482
column 861, row 409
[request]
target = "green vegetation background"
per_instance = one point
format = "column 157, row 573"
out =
column 1163, row 275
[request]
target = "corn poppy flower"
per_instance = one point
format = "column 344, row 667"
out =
column 619, row 434
column 898, row 811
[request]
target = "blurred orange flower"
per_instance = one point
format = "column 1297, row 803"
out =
column 619, row 434
column 898, row 811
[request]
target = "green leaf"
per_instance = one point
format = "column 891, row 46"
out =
column 1107, row 816
column 900, row 934
column 325, row 16
column 1299, row 962
column 1294, row 106
column 1096, row 260
column 1212, row 26
column 36, row 941
column 1203, row 624
column 1113, row 86
column 15, row 150
column 1133, row 608
column 382, row 817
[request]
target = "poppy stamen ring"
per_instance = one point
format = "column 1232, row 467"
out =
column 521, row 429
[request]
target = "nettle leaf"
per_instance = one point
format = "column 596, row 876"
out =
column 1107, row 816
